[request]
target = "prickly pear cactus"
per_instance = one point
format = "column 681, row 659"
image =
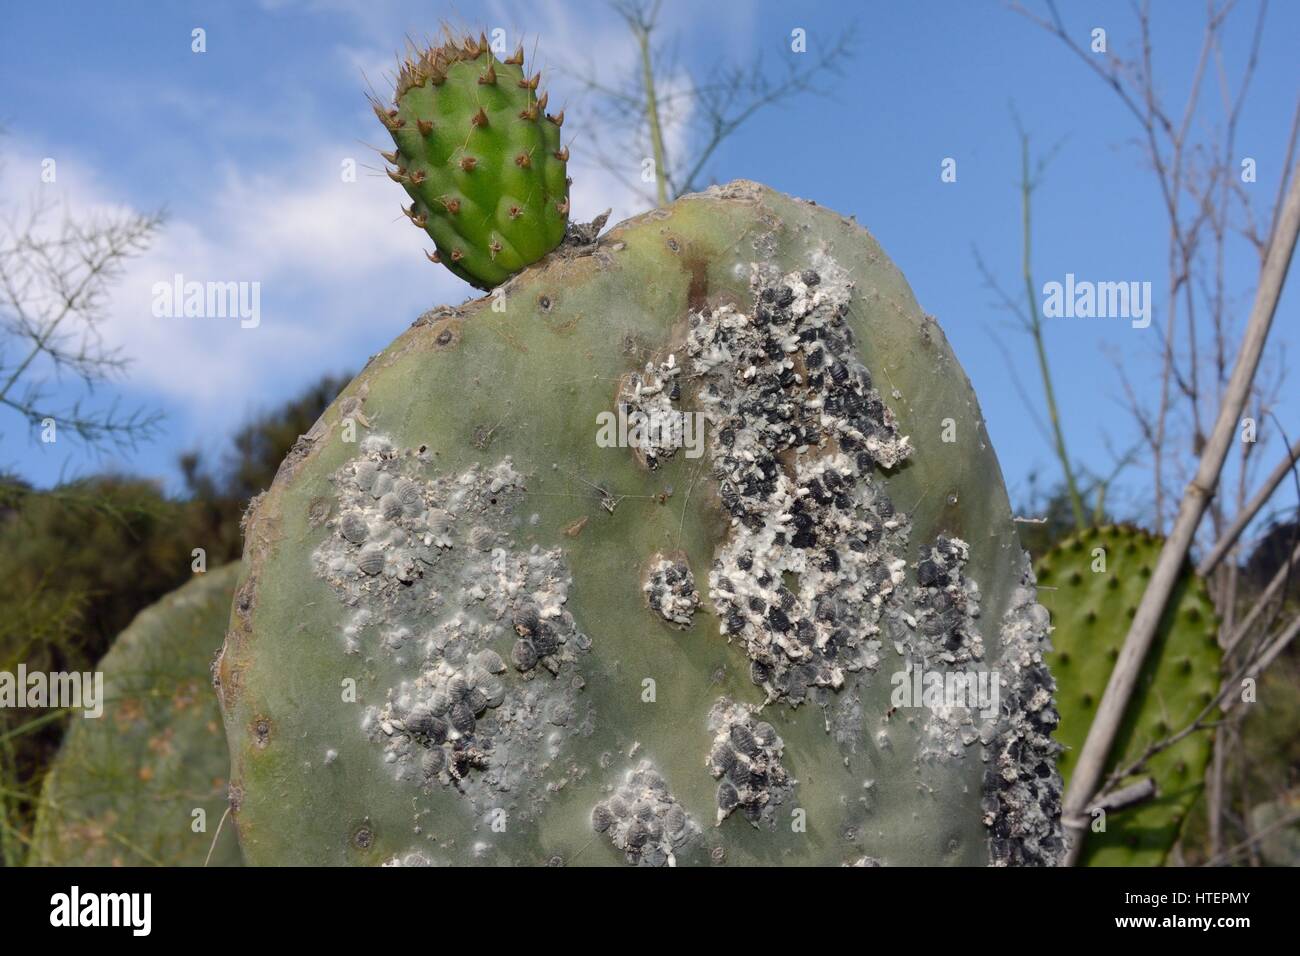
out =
column 480, row 158
column 1092, row 584
column 124, row 788
column 639, row 561
column 1279, row 840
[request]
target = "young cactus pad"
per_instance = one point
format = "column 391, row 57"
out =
column 1092, row 583
column 479, row 622
column 480, row 158
column 125, row 787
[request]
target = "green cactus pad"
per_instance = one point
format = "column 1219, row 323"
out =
column 480, row 622
column 124, row 788
column 1091, row 612
column 1279, row 840
column 480, row 158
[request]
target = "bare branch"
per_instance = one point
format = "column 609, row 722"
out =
column 55, row 280
column 648, row 104
column 1247, row 514
column 1123, row 678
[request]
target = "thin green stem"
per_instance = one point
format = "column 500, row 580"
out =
column 652, row 116
column 34, row 724
column 1035, row 324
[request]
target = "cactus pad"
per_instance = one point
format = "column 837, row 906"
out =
column 1278, row 831
column 1091, row 610
column 480, row 158
column 124, row 788
column 630, row 569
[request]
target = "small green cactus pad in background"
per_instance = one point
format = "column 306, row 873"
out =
column 499, row 627
column 125, row 786
column 1093, row 595
column 480, row 158
column 1280, row 844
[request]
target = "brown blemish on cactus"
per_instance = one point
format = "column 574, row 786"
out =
column 363, row 837
column 952, row 517
column 261, row 730
column 697, row 293
column 446, row 334
column 245, row 601
column 227, row 680
column 564, row 327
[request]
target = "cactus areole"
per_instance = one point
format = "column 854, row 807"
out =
column 686, row 546
column 479, row 157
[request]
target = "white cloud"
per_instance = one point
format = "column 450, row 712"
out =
column 571, row 43
column 562, row 42
column 340, row 273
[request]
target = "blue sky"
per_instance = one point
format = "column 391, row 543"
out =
column 244, row 144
